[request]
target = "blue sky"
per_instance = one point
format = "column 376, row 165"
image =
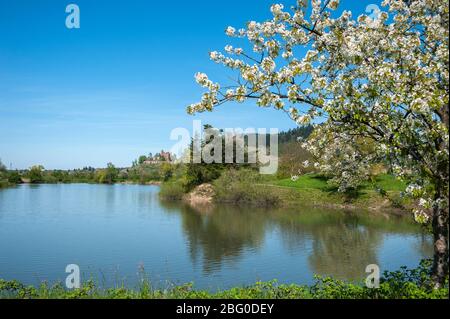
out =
column 116, row 87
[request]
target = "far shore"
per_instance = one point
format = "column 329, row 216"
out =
column 283, row 196
column 151, row 183
column 288, row 195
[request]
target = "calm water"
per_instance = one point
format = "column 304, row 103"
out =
column 113, row 232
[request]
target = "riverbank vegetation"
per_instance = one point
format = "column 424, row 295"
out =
column 247, row 186
column 402, row 284
column 244, row 187
column 5, row 180
column 295, row 182
column 139, row 174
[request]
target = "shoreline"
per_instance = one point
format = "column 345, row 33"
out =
column 289, row 198
column 293, row 198
column 154, row 183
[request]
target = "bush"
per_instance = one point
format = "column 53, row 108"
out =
column 292, row 155
column 242, row 187
column 4, row 184
column 14, row 177
column 197, row 174
column 8, row 178
column 402, row 284
column 166, row 171
column 35, row 174
column 172, row 191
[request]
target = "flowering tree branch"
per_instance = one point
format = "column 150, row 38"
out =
column 385, row 79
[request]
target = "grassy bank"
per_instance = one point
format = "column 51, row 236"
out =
column 246, row 186
column 402, row 284
column 382, row 193
column 172, row 191
column 315, row 181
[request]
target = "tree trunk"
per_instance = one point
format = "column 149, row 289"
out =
column 440, row 231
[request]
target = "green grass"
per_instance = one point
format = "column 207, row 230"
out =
column 172, row 191
column 244, row 187
column 308, row 181
column 315, row 181
column 388, row 183
column 382, row 193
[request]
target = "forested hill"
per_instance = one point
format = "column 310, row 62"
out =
column 294, row 134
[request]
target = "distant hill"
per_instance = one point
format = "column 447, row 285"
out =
column 294, row 134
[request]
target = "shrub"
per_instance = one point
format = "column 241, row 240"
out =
column 242, row 187
column 35, row 174
column 166, row 171
column 197, row 174
column 402, row 284
column 172, row 191
column 14, row 177
column 4, row 183
column 292, row 155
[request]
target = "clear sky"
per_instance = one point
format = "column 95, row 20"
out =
column 115, row 88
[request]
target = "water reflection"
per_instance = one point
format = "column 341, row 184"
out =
column 45, row 227
column 220, row 235
column 337, row 243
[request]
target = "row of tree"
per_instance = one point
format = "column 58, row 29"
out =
column 38, row 174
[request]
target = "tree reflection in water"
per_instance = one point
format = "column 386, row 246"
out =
column 338, row 243
column 222, row 234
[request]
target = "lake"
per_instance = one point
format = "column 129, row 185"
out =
column 118, row 233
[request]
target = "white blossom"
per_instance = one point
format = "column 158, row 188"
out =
column 230, row 31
